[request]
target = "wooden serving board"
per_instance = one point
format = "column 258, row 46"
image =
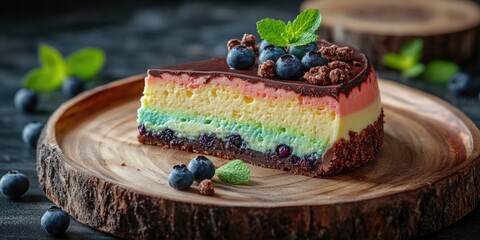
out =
column 425, row 177
column 449, row 29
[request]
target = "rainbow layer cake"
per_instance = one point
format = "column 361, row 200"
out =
column 293, row 125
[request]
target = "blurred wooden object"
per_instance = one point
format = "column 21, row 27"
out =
column 449, row 28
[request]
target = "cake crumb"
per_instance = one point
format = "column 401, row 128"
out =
column 266, row 69
column 318, row 75
column 123, row 164
column 338, row 76
column 339, row 65
column 232, row 43
column 248, row 39
column 345, row 53
column 205, row 187
column 329, row 53
column 335, row 53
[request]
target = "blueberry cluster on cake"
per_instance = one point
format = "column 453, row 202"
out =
column 313, row 110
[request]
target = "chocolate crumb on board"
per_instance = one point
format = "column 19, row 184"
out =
column 123, row 164
column 205, row 187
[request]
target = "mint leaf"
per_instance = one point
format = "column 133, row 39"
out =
column 413, row 49
column 440, row 71
column 271, row 30
column 50, row 57
column 234, row 172
column 307, row 21
column 43, row 79
column 414, row 71
column 305, row 39
column 396, row 61
column 85, row 63
column 299, row 32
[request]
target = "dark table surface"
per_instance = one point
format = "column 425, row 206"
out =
column 135, row 37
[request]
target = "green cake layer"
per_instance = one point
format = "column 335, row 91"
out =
column 257, row 136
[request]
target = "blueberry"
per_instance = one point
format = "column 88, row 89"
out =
column 202, row 168
column 288, row 67
column 240, row 57
column 26, row 100
column 283, row 151
column 311, row 160
column 270, row 53
column 313, row 59
column 55, row 221
column 207, row 140
column 262, row 45
column 236, row 140
column 14, row 184
column 300, row 51
column 167, row 135
column 31, row 133
column 180, row 178
column 72, row 86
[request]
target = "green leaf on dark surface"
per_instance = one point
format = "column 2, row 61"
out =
column 396, row 61
column 43, row 79
column 85, row 63
column 413, row 49
column 234, row 172
column 440, row 71
column 50, row 57
column 414, row 71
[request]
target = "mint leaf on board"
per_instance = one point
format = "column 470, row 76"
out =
column 85, row 63
column 307, row 21
column 43, row 79
column 414, row 71
column 234, row 172
column 440, row 71
column 295, row 33
column 272, row 30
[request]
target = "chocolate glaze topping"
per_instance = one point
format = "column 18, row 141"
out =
column 218, row 67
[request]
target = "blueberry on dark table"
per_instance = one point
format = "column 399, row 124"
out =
column 270, row 52
column 180, row 178
column 289, row 67
column 240, row 57
column 26, row 100
column 300, row 51
column 55, row 221
column 14, row 184
column 262, row 45
column 313, row 59
column 31, row 132
column 72, row 86
column 202, row 168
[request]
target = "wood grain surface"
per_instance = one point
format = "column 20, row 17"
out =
column 449, row 28
column 425, row 177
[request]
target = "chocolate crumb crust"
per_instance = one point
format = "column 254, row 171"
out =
column 343, row 155
column 218, row 67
